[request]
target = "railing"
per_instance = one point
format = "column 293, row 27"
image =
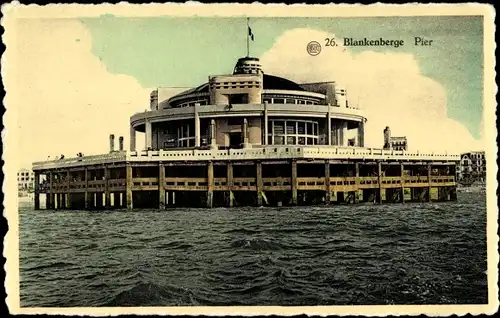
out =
column 220, row 181
column 442, row 179
column 77, row 185
column 58, row 187
column 117, row 183
column 250, row 183
column 145, row 182
column 244, row 182
column 368, row 180
column 416, row 179
column 97, row 184
column 264, row 152
column 276, row 182
column 186, row 182
column 391, row 180
column 311, row 181
column 287, row 152
column 79, row 161
column 342, row 181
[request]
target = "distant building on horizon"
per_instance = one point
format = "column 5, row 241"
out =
column 25, row 180
column 472, row 167
column 396, row 143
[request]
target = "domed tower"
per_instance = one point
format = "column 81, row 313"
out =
column 248, row 65
column 244, row 86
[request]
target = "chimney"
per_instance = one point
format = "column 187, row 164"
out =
column 120, row 142
column 387, row 138
column 111, row 143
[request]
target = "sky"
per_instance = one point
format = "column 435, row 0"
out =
column 79, row 80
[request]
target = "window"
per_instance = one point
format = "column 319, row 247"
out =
column 279, row 140
column 293, row 132
column 278, row 127
column 302, row 128
column 309, row 130
column 185, row 136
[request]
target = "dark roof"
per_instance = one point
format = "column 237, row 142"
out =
column 200, row 89
column 275, row 82
column 269, row 82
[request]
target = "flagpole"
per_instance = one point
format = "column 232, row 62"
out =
column 248, row 35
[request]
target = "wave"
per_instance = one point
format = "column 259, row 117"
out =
column 174, row 245
column 241, row 231
column 256, row 244
column 151, row 294
column 51, row 266
column 90, row 246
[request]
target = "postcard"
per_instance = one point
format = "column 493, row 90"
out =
column 250, row 159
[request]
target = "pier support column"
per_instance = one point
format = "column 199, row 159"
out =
column 210, row 182
column 266, row 125
column 87, row 196
column 37, row 191
column 50, row 197
column 453, row 193
column 132, row 138
column 429, row 180
column 107, row 194
column 67, row 200
column 356, row 193
column 295, row 182
column 379, row 174
column 161, row 186
column 230, row 183
column 48, row 201
column 402, row 183
column 260, row 183
column 59, row 201
column 129, row 184
column 67, row 195
column 328, row 187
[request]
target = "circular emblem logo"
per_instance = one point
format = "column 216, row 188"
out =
column 313, row 48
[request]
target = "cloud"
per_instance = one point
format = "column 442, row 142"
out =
column 388, row 87
column 66, row 100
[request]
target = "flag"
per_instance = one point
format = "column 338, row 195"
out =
column 250, row 34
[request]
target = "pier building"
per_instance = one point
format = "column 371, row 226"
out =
column 246, row 138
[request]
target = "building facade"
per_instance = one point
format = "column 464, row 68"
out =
column 396, row 143
column 472, row 167
column 249, row 108
column 25, row 180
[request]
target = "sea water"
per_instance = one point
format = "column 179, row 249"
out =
column 422, row 253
